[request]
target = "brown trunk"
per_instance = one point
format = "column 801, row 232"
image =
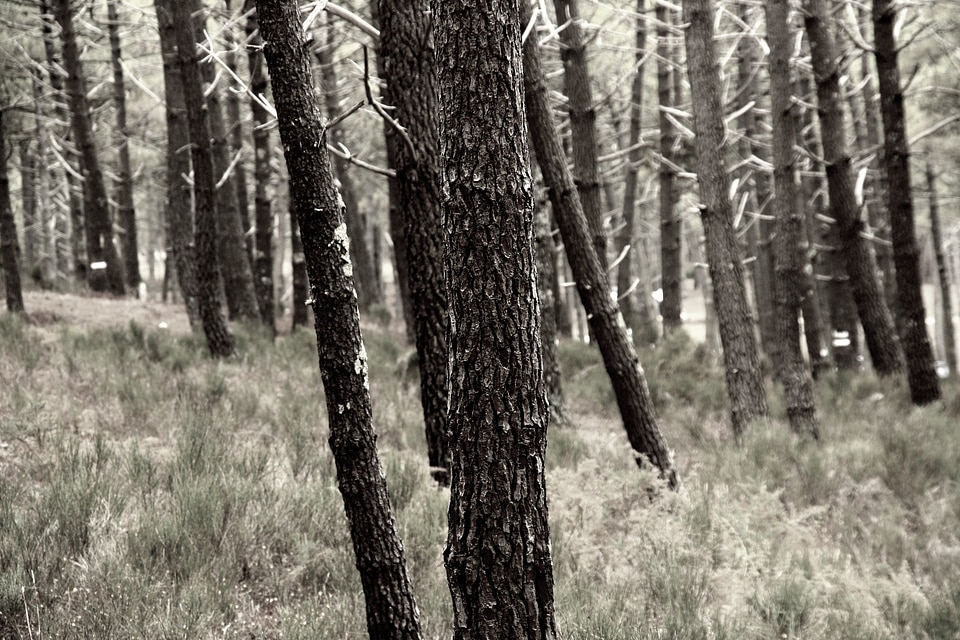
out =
column 125, row 212
column 606, row 323
column 391, row 609
column 921, row 376
column 744, row 379
column 670, row 226
column 9, row 245
column 874, row 316
column 406, row 50
column 949, row 334
column 220, row 340
column 106, row 270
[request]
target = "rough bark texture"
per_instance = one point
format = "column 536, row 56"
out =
column 9, row 245
column 406, row 48
column 391, row 609
column 125, row 212
column 788, row 258
column 606, row 323
column 921, row 376
column 670, row 226
column 877, row 323
column 943, row 273
column 220, row 340
column 744, row 379
column 499, row 568
column 98, row 228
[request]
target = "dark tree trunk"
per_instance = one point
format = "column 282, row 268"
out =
column 179, row 211
column 744, row 379
column 125, row 210
column 32, row 230
column 789, row 259
column 9, row 245
column 606, row 323
column 874, row 316
column 922, row 377
column 670, row 224
column 943, row 273
column 546, row 276
column 499, row 568
column 235, row 138
column 391, row 609
column 262, row 152
column 220, row 340
column 98, row 228
column 406, row 50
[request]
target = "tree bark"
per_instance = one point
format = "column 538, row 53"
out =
column 943, row 273
column 606, row 323
column 877, row 323
column 921, row 375
column 125, row 210
column 98, row 228
column 406, row 48
column 9, row 244
column 235, row 136
column 546, row 276
column 220, row 340
column 789, row 259
column 32, row 231
column 391, row 609
column 744, row 379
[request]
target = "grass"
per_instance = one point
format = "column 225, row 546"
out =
column 147, row 491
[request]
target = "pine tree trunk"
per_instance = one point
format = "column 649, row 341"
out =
column 744, row 379
column 606, row 323
column 98, row 228
column 125, row 210
column 47, row 217
column 391, row 609
column 406, row 50
column 949, row 333
column 9, row 244
column 546, row 276
column 921, row 376
column 670, row 226
column 877, row 323
column 28, row 198
column 235, row 138
column 298, row 262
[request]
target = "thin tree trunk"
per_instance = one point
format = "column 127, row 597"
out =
column 546, row 276
column 391, row 609
column 298, row 262
column 606, row 323
column 235, row 138
column 9, row 244
column 28, row 198
column 921, row 375
column 670, row 224
column 877, row 323
column 106, row 270
column 744, row 379
column 949, row 333
column 47, row 213
column 125, row 210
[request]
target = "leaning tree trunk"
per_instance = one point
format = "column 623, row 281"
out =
column 670, row 225
column 877, row 323
column 391, row 609
column 744, row 379
column 179, row 211
column 125, row 209
column 98, row 228
column 9, row 245
column 411, row 78
column 924, row 386
column 789, row 259
column 606, row 323
column 949, row 335
column 220, row 340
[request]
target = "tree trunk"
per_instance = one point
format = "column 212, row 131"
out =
column 922, row 377
column 298, row 262
column 874, row 316
column 28, row 197
column 9, row 245
column 220, row 340
column 48, row 215
column 406, row 50
column 606, row 323
column 106, row 270
column 235, row 138
column 262, row 152
column 789, row 259
column 179, row 211
column 949, row 334
column 744, row 379
column 546, row 276
column 670, row 224
column 391, row 609
column 125, row 210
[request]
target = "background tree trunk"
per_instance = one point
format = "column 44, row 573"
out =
column 671, row 278
column 9, row 244
column 943, row 273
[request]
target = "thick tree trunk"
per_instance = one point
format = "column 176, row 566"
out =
column 606, row 323
column 921, row 376
column 406, row 50
column 943, row 274
column 179, row 210
column 789, row 259
column 106, row 270
column 391, row 609
column 744, row 379
column 877, row 323
column 125, row 210
column 9, row 244
column 220, row 340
